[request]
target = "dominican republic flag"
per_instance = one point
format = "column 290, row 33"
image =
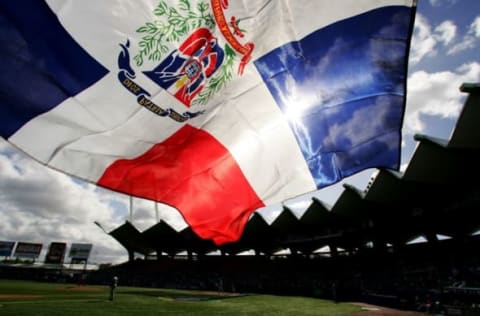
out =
column 217, row 107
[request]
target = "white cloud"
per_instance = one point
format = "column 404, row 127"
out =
column 426, row 39
column 437, row 3
column 437, row 94
column 38, row 204
column 445, row 32
column 423, row 41
column 475, row 27
column 172, row 217
column 470, row 40
column 3, row 145
column 145, row 215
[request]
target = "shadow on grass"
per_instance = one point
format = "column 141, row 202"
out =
column 187, row 296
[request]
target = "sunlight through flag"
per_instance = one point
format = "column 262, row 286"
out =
column 217, row 107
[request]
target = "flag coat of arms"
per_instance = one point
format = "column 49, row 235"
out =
column 217, row 107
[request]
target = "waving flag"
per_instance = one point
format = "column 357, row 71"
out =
column 217, row 107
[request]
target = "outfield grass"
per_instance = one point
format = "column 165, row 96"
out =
column 32, row 298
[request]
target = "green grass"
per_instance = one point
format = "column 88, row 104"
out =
column 32, row 298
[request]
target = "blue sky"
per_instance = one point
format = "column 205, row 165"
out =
column 38, row 204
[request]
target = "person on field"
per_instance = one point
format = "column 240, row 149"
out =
column 113, row 286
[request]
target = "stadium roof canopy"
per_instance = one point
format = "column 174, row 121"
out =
column 438, row 194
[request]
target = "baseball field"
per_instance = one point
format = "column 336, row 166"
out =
column 38, row 298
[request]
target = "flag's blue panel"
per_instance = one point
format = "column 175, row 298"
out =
column 342, row 88
column 40, row 62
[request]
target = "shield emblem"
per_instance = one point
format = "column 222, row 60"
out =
column 185, row 71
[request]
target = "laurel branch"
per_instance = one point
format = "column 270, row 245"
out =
column 219, row 80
